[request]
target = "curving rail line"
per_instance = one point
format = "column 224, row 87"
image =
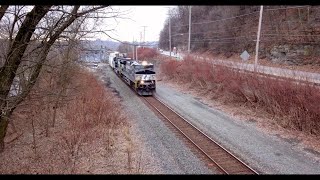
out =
column 224, row 160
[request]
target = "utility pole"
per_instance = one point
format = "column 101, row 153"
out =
column 137, row 53
column 170, row 36
column 169, row 31
column 133, row 47
column 189, row 29
column 141, row 37
column 144, row 34
column 258, row 39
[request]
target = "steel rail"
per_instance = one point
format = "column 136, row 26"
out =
column 202, row 133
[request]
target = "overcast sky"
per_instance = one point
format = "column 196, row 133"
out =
column 153, row 17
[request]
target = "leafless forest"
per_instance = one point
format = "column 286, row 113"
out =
column 289, row 34
column 57, row 117
column 53, row 112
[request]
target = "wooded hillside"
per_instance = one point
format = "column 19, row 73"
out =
column 289, row 33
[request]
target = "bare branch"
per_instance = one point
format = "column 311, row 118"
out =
column 7, row 72
column 90, row 10
column 47, row 45
column 3, row 9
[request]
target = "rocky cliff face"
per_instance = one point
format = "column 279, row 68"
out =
column 294, row 54
column 289, row 34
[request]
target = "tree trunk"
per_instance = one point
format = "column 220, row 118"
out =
column 3, row 9
column 3, row 129
column 13, row 59
column 17, row 49
column 15, row 53
column 54, row 115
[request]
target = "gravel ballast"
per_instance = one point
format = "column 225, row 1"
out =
column 268, row 154
column 161, row 151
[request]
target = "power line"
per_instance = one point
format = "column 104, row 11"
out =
column 218, row 39
column 235, row 39
column 233, row 17
column 221, row 19
column 213, row 39
column 220, row 42
column 144, row 33
column 252, row 35
column 315, row 35
column 214, row 32
column 291, row 41
column 245, row 37
column 293, row 7
column 242, row 26
column 189, row 29
column 226, row 18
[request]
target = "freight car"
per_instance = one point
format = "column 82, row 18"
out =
column 112, row 59
column 139, row 75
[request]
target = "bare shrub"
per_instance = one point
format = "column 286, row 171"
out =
column 88, row 116
column 293, row 105
column 147, row 53
column 169, row 68
column 85, row 124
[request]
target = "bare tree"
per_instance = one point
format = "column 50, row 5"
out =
column 33, row 34
column 125, row 47
column 3, row 9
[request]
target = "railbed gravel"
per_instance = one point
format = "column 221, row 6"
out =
column 269, row 154
column 162, row 152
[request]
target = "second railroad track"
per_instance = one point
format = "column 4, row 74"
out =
column 221, row 158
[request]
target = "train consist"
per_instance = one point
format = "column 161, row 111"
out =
column 139, row 75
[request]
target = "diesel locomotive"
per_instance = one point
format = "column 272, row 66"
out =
column 139, row 75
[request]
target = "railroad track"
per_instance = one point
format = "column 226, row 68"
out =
column 224, row 160
column 281, row 78
column 302, row 81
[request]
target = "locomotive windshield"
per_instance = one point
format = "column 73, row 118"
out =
column 145, row 72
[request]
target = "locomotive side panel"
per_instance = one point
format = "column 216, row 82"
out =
column 141, row 77
column 112, row 59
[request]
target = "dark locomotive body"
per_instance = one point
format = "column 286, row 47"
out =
column 139, row 75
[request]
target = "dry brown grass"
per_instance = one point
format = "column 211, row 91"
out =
column 290, row 104
column 313, row 67
column 90, row 136
column 145, row 53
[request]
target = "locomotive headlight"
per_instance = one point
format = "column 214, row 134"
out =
column 144, row 63
column 142, row 82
